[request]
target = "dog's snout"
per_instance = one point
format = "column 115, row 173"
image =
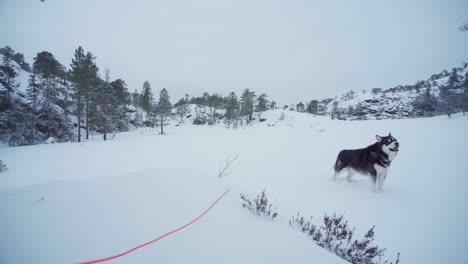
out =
column 397, row 144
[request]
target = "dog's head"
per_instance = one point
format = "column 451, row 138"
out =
column 389, row 144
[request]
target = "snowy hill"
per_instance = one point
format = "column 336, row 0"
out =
column 73, row 202
column 392, row 103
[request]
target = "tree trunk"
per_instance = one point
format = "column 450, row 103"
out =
column 87, row 119
column 79, row 118
column 162, row 124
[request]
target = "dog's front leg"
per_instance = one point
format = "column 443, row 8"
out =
column 380, row 179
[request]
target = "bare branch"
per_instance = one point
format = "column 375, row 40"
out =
column 223, row 171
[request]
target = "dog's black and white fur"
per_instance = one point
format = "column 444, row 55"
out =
column 373, row 161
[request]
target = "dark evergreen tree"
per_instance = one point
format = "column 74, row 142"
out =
column 122, row 99
column 163, row 108
column 9, row 73
column 465, row 95
column 232, row 108
column 247, row 102
column 447, row 100
column 47, row 96
column 16, row 57
column 273, row 105
column 312, row 107
column 33, row 92
column 300, row 107
column 182, row 107
column 262, row 103
column 335, row 110
column 84, row 77
column 425, row 104
column 214, row 101
column 147, row 100
column 106, row 115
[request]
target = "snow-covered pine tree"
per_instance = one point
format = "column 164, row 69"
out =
column 46, row 95
column 247, row 102
column 447, row 100
column 425, row 104
column 214, row 101
column 163, row 108
column 136, row 99
column 106, row 114
column 262, row 103
column 122, row 99
column 312, row 107
column 300, row 107
column 335, row 110
column 9, row 73
column 273, row 105
column 84, row 76
column 232, row 108
column 182, row 107
column 147, row 100
column 465, row 95
column 32, row 92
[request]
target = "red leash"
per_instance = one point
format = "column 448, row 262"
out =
column 161, row 237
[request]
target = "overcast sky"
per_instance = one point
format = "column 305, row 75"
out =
column 292, row 50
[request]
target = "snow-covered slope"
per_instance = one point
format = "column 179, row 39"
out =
column 392, row 103
column 72, row 202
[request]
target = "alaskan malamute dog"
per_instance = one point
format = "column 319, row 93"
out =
column 373, row 160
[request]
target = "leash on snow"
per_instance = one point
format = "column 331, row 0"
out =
column 160, row 237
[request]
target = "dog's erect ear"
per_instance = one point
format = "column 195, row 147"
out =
column 389, row 134
column 378, row 138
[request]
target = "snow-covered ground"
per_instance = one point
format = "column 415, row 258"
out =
column 72, row 202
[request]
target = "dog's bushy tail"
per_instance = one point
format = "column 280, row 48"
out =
column 339, row 164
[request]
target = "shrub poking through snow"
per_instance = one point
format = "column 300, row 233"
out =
column 3, row 167
column 336, row 236
column 259, row 205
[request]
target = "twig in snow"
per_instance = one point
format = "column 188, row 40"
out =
column 224, row 171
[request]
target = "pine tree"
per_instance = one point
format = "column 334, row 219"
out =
column 7, row 79
column 182, row 107
column 335, row 110
column 273, row 105
column 122, row 99
column 300, row 107
column 425, row 104
column 147, row 100
column 84, row 76
column 136, row 99
column 312, row 107
column 447, row 100
column 232, row 107
column 247, row 102
column 163, row 107
column 78, row 76
column 465, row 95
column 46, row 92
column 262, row 103
column 105, row 106
column 32, row 92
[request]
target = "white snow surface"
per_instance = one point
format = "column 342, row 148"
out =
column 73, row 202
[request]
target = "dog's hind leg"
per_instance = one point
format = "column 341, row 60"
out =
column 351, row 173
column 335, row 176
